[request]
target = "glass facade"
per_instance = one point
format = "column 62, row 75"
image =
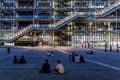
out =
column 81, row 23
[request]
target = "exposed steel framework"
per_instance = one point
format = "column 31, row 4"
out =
column 82, row 23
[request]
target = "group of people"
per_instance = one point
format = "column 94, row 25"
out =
column 59, row 68
column 75, row 58
column 50, row 53
column 90, row 52
column 21, row 60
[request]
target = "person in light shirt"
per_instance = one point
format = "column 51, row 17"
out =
column 59, row 68
column 77, row 58
column 48, row 53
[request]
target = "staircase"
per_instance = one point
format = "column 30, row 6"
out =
column 39, row 27
column 25, row 31
column 59, row 24
column 69, row 19
column 108, row 9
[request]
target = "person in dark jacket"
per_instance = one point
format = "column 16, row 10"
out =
column 22, row 60
column 15, row 60
column 82, row 59
column 73, row 56
column 8, row 50
column 45, row 67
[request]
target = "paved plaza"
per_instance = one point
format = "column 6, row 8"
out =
column 100, row 65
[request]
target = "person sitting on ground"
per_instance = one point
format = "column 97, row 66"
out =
column 15, row 60
column 91, row 52
column 77, row 60
column 48, row 53
column 45, row 67
column 59, row 67
column 22, row 60
column 81, row 58
column 52, row 54
column 69, row 58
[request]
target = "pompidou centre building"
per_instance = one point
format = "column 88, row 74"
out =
column 81, row 23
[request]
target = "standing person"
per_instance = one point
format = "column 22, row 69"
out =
column 8, row 50
column 15, row 60
column 59, row 68
column 45, row 67
column 73, row 56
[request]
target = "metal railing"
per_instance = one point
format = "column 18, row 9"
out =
column 43, row 27
column 56, row 25
column 103, row 11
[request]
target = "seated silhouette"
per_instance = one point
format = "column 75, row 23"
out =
column 91, row 52
column 22, row 60
column 52, row 54
column 45, row 67
column 82, row 58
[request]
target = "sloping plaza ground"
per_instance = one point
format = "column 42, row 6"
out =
column 99, row 66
